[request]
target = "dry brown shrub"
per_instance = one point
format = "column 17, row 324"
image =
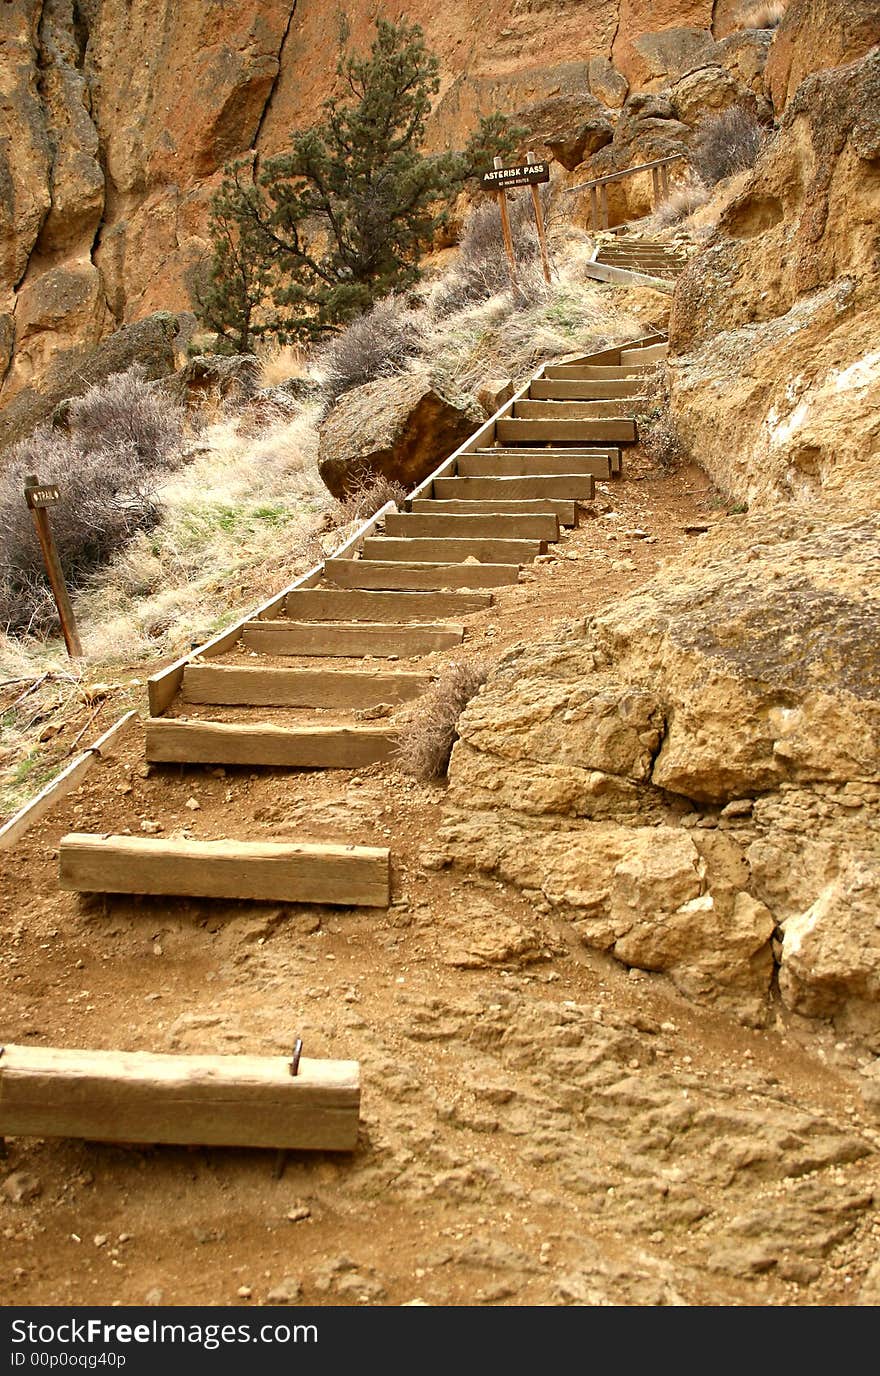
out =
column 367, row 494
column 658, row 433
column 377, row 344
column 681, row 202
column 431, row 725
column 726, row 143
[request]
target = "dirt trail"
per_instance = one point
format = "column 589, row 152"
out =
column 539, row 1127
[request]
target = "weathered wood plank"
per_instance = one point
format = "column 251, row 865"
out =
column 579, row 487
column 342, row 640
column 568, row 410
column 535, row 465
column 270, row 871
column 491, row 525
column 578, row 389
column 63, row 783
column 259, row 687
column 212, row 1101
column 592, row 372
column 558, row 431
column 654, row 353
column 564, row 511
column 373, row 573
column 337, row 604
column 447, row 551
column 169, row 741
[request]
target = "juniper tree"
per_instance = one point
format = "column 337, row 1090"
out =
column 342, row 217
column 233, row 290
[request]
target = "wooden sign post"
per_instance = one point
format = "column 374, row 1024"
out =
column 499, row 179
column 39, row 496
column 501, row 197
column 539, row 219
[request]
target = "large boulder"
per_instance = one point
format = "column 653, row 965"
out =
column 398, row 428
column 707, row 91
column 607, row 83
column 817, row 34
column 571, row 127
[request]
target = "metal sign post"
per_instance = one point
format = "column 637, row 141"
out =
column 499, row 179
column 39, row 496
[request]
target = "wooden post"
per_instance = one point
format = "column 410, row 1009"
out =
column 656, row 181
column 539, row 222
column 594, row 207
column 501, row 195
column 38, row 497
column 664, row 180
column 603, row 197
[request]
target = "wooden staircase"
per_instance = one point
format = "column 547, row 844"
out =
column 646, row 256
column 399, row 593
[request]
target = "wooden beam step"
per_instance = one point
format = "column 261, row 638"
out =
column 254, row 686
column 576, row 389
column 579, row 410
column 169, row 741
column 439, row 526
column 448, row 551
column 210, row 1101
column 565, row 431
column 336, row 604
column 592, row 372
column 544, row 451
column 530, row 465
column 373, row 573
column 267, row 871
column 654, row 353
column 577, row 487
column 343, row 639
column 564, row 511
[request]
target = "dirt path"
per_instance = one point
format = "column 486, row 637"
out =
column 539, row 1127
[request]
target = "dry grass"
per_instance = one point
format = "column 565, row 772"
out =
column 658, row 434
column 431, row 724
column 281, row 362
column 368, row 493
column 680, row 204
column 766, row 15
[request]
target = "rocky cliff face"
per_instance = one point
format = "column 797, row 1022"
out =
column 692, row 778
column 117, row 116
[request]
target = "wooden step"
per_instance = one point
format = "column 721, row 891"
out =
column 592, row 372
column 345, row 640
column 210, row 1101
column 565, row 512
column 169, row 741
column 336, row 604
column 449, row 551
column 578, row 487
column 543, row 451
column 439, row 526
column 530, row 465
column 566, row 431
column 575, row 389
column 254, row 686
column 578, row 410
column 269, row 871
column 654, row 353
column 373, row 573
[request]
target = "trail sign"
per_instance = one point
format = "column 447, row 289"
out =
column 41, row 496
column 501, row 178
column 38, row 496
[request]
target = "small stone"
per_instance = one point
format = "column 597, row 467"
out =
column 287, row 1291
column 193, row 804
column 100, row 1239
column 740, row 807
column 244, row 1292
column 298, row 1212
column 21, row 1188
column 154, row 1296
column 151, row 828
